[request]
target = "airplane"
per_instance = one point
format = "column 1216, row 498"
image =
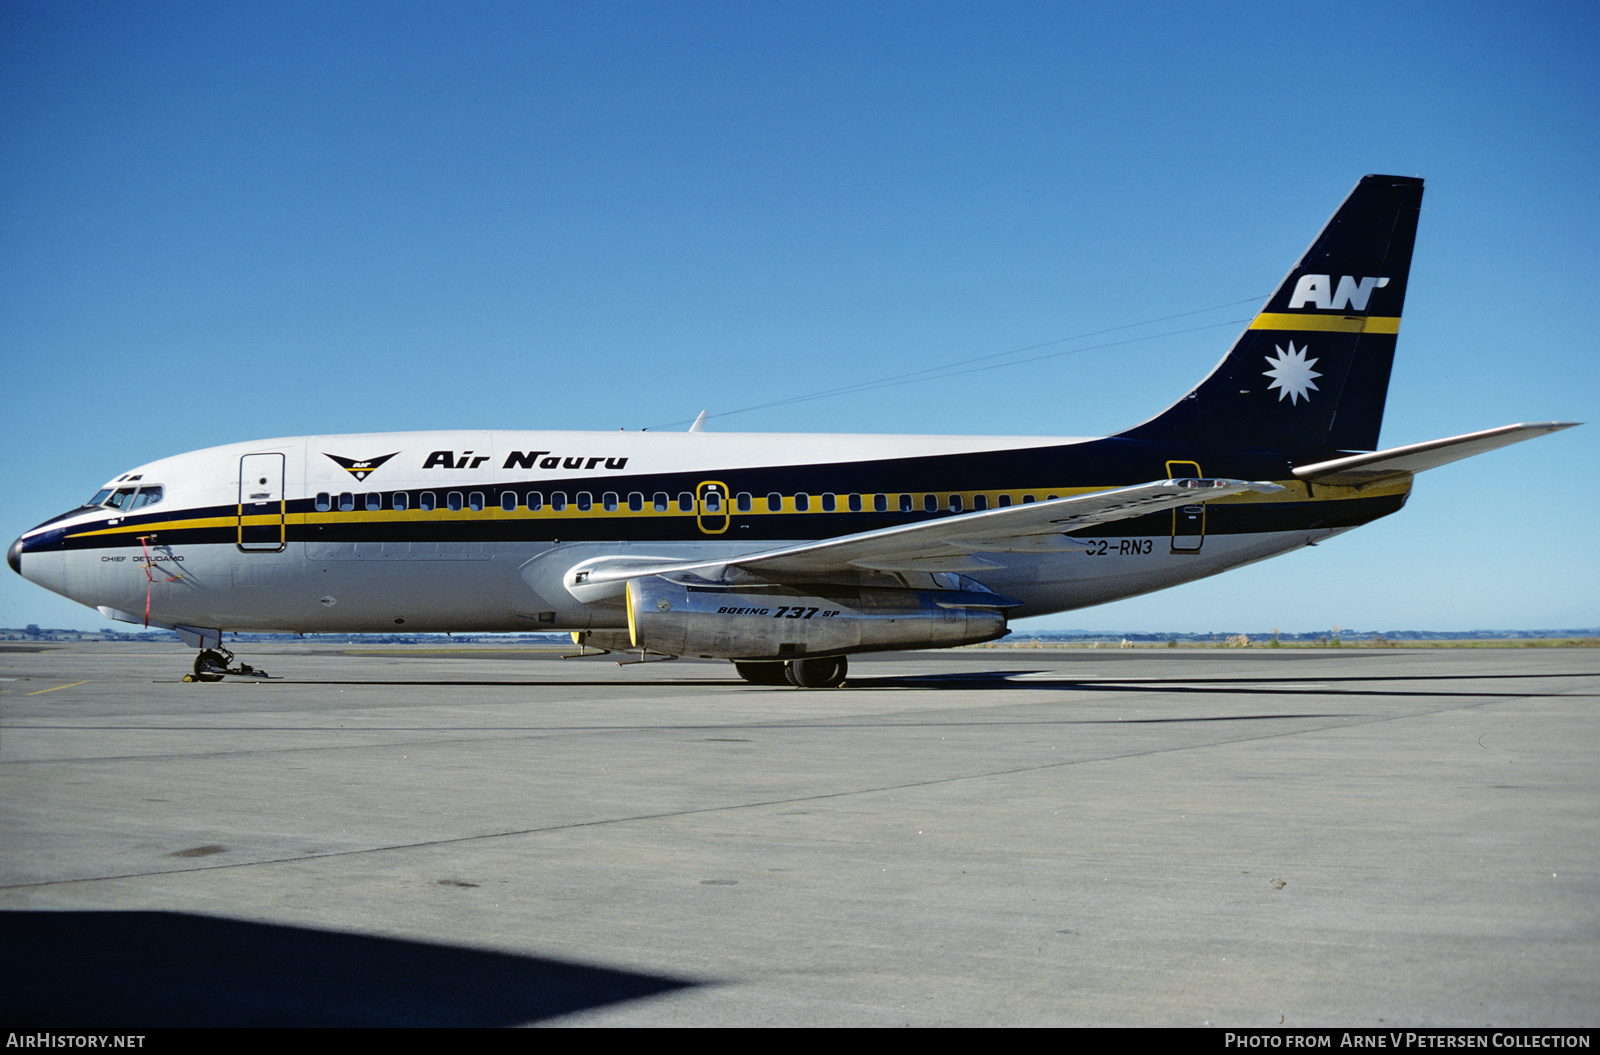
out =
column 784, row 553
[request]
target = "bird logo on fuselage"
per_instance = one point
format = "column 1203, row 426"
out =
column 360, row 468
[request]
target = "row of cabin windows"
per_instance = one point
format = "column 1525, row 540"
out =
column 661, row 502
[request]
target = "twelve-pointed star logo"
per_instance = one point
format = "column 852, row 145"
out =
column 1291, row 373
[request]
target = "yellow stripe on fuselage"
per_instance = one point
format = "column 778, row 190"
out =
column 1272, row 320
column 1295, row 491
column 134, row 530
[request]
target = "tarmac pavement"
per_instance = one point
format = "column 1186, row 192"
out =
column 470, row 835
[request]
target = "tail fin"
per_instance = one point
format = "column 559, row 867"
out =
column 1312, row 370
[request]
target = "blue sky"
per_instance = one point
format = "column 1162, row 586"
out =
column 233, row 221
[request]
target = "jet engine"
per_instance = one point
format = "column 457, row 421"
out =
column 777, row 622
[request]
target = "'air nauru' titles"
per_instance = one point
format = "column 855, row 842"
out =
column 523, row 460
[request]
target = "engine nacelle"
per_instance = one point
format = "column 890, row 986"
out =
column 783, row 622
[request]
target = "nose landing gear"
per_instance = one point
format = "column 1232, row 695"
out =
column 212, row 663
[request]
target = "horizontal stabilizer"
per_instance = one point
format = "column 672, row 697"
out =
column 1415, row 457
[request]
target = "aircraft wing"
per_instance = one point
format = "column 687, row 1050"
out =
column 954, row 543
column 1415, row 457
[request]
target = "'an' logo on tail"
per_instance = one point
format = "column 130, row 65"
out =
column 362, row 468
column 1319, row 291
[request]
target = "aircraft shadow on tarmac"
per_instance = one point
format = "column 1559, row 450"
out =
column 1310, row 685
column 1053, row 679
column 76, row 970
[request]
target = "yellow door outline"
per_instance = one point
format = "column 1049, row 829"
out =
column 711, row 510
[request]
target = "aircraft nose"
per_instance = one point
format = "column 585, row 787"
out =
column 14, row 556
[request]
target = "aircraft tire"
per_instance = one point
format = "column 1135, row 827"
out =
column 825, row 672
column 758, row 673
column 210, row 665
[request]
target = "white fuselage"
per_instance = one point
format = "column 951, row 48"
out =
column 474, row 530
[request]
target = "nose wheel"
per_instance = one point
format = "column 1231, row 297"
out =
column 212, row 663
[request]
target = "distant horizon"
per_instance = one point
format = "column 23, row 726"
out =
column 153, row 633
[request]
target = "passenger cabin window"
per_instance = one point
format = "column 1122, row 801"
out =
column 880, row 503
column 1027, row 500
column 802, row 502
column 347, row 501
column 744, row 502
column 400, row 501
column 558, row 501
column 955, row 503
column 930, row 503
column 855, row 503
column 585, row 502
column 374, row 501
column 713, row 502
column 426, row 502
column 535, row 501
column 828, row 503
column 475, row 501
column 980, row 501
column 774, row 503
column 324, row 501
column 608, row 501
column 1005, row 500
column 905, row 503
column 635, row 502
column 661, row 500
column 508, row 501
column 453, row 501
column 686, row 502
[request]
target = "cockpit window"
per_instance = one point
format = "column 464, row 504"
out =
column 147, row 496
column 126, row 499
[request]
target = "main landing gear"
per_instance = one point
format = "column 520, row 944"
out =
column 212, row 663
column 821, row 672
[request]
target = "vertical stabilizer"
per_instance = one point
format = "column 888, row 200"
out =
column 1312, row 370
